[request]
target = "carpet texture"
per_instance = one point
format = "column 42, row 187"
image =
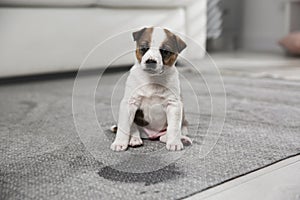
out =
column 42, row 156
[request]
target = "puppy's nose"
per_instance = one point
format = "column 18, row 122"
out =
column 150, row 61
column 151, row 64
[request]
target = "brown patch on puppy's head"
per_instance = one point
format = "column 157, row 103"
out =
column 171, row 47
column 143, row 39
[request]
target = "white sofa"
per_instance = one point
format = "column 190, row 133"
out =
column 42, row 36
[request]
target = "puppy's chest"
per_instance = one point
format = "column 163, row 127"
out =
column 153, row 101
column 153, row 95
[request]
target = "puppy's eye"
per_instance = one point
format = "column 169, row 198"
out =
column 143, row 50
column 165, row 53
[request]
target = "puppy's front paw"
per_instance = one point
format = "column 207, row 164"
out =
column 135, row 141
column 119, row 146
column 174, row 145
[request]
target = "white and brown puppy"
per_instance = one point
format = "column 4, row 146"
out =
column 152, row 103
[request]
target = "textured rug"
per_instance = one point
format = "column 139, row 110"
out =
column 42, row 156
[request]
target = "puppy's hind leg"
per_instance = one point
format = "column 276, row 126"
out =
column 135, row 139
column 184, row 138
column 163, row 138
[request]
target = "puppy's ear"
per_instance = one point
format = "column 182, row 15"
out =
column 136, row 35
column 179, row 43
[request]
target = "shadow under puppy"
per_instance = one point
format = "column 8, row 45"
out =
column 152, row 104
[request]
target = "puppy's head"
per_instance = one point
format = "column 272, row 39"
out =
column 157, row 49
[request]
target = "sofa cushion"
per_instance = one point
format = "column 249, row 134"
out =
column 100, row 3
column 48, row 3
column 145, row 3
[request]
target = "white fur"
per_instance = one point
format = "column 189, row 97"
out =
column 158, row 95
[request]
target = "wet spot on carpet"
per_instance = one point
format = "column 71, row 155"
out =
column 170, row 172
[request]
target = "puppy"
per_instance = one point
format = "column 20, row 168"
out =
column 152, row 105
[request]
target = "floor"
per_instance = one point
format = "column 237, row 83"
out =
column 278, row 181
column 258, row 65
column 45, row 157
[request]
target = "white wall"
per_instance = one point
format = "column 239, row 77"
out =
column 263, row 25
column 232, row 20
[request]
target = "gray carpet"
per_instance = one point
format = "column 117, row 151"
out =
column 42, row 156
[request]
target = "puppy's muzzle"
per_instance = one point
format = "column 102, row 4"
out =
column 151, row 65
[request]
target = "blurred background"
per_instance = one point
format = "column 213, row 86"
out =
column 50, row 36
column 251, row 25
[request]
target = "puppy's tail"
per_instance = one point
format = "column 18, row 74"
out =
column 113, row 128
